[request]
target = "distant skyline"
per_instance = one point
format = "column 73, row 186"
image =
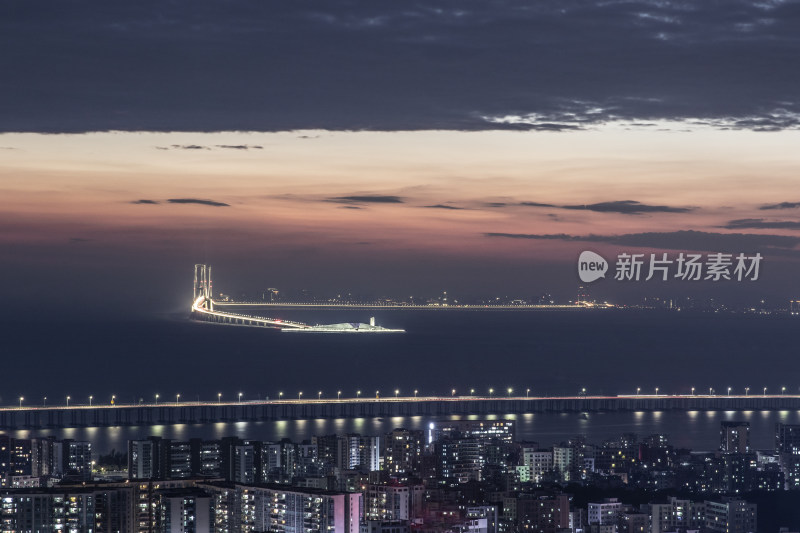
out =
column 392, row 213
column 391, row 149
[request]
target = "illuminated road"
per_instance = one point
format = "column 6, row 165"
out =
column 498, row 400
column 210, row 315
column 203, row 412
column 330, row 305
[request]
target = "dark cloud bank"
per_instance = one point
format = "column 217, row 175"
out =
column 198, row 201
column 678, row 240
column 198, row 65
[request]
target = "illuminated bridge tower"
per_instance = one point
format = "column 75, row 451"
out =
column 202, row 284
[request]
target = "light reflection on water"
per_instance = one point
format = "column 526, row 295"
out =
column 697, row 430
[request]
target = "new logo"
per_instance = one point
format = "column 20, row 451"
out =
column 591, row 266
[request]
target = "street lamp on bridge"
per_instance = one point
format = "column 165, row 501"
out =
column 491, row 391
column 765, row 391
column 241, row 393
column 396, row 392
column 280, row 395
column 299, row 395
column 319, row 395
column 692, row 391
column 338, row 395
column 219, row 397
column 358, row 394
column 638, row 390
column 510, row 390
column 68, row 398
column 729, row 391
column 177, row 399
column 156, row 399
column 90, row 400
column 656, row 391
column 415, row 393
column 527, row 393
column 746, row 390
column 44, row 401
column 783, row 390
column 20, row 401
column 453, row 392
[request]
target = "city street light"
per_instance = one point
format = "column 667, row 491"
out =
column 638, row 390
column 20, row 401
column 510, row 390
column 280, row 395
column 319, row 395
column 241, row 393
column 710, row 391
column 746, row 390
column 783, row 390
column 156, row 399
column 68, row 398
column 358, row 394
column 692, row 391
column 415, row 393
column 44, row 401
column 113, row 399
column 472, row 391
column 656, row 391
column 527, row 393
column 299, row 396
column 491, row 391
column 729, row 391
column 396, row 392
column 453, row 392
column 90, row 400
column 219, row 397
column 338, row 395
column 377, row 394
column 765, row 391
column 177, row 398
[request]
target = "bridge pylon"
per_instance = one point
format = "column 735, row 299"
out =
column 202, row 284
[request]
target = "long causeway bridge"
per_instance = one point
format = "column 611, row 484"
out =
column 32, row 417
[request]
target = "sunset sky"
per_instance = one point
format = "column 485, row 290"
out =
column 390, row 149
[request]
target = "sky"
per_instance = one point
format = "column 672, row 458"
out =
column 391, row 148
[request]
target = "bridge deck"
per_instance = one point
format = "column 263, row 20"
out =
column 202, row 412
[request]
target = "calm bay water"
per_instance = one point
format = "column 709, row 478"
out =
column 558, row 352
column 698, row 430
